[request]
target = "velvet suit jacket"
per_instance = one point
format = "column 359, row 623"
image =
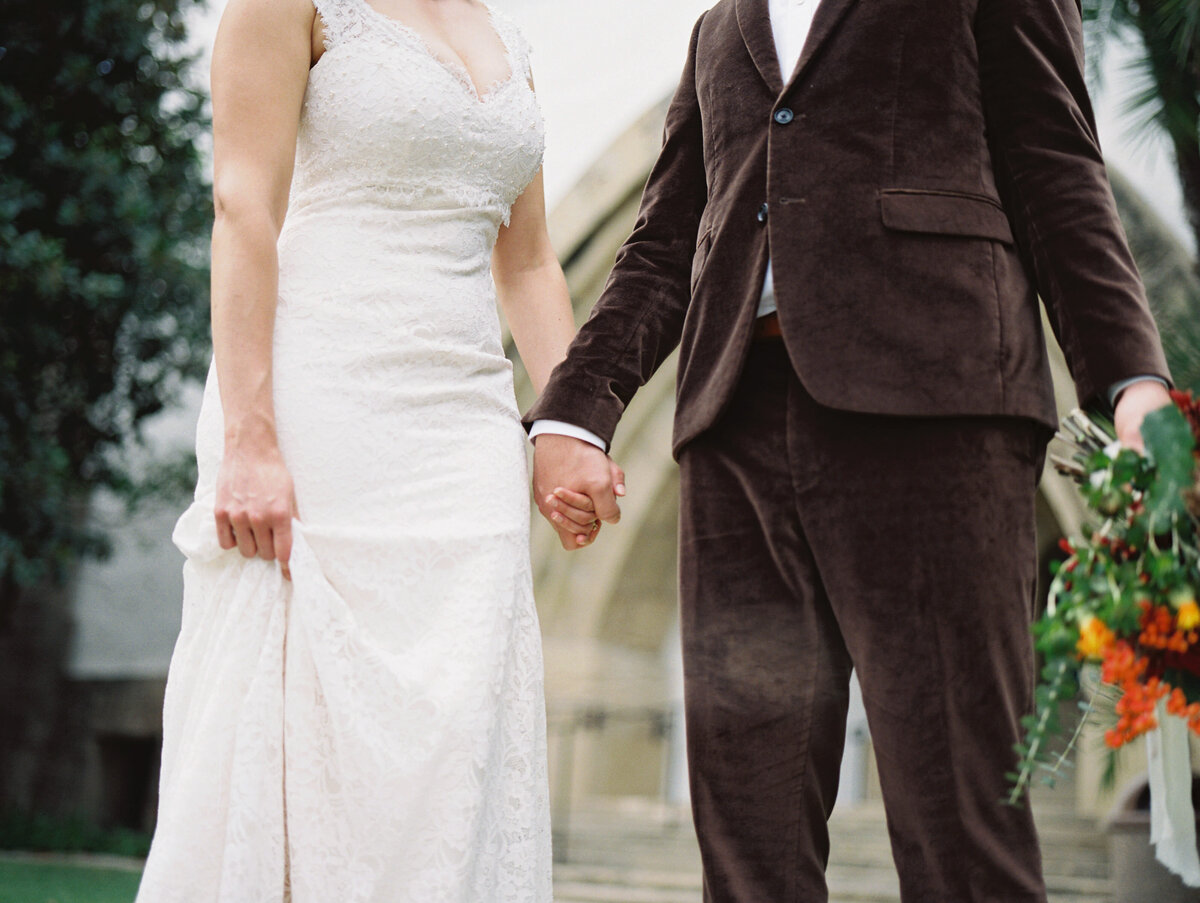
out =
column 928, row 170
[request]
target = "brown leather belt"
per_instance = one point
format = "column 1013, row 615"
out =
column 767, row 327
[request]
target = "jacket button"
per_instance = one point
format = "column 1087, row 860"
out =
column 783, row 116
column 762, row 213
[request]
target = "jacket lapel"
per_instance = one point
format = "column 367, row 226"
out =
column 827, row 18
column 754, row 20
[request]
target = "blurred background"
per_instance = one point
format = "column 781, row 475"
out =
column 104, row 218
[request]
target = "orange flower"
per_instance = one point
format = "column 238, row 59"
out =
column 1160, row 631
column 1135, row 711
column 1163, row 630
column 1095, row 638
column 1178, row 705
column 1126, row 669
column 1121, row 666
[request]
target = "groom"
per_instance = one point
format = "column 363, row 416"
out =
column 855, row 209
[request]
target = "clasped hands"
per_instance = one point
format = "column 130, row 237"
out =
column 576, row 487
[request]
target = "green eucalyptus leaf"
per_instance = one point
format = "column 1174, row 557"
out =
column 1170, row 447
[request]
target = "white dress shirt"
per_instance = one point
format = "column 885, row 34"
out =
column 791, row 21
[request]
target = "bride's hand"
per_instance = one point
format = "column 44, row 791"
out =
column 255, row 501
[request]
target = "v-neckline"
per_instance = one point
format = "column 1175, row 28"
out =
column 456, row 69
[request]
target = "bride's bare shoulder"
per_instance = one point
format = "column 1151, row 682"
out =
column 260, row 64
column 268, row 23
column 267, row 28
column 279, row 11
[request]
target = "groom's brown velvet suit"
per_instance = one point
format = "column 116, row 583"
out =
column 862, row 492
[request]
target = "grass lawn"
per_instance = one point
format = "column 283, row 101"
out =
column 27, row 882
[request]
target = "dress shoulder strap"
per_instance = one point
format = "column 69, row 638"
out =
column 510, row 33
column 341, row 19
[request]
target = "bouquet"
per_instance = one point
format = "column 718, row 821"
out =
column 1125, row 599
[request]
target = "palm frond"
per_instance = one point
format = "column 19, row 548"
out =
column 1164, row 100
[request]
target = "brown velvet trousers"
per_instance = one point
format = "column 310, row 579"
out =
column 814, row 540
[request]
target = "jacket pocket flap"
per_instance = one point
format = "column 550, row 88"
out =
column 943, row 213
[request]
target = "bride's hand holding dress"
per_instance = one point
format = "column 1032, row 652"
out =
column 259, row 75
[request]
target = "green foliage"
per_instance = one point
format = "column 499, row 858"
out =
column 1167, row 33
column 1170, row 446
column 1167, row 98
column 43, row 833
column 1172, row 285
column 1036, row 752
column 1164, row 104
column 104, row 213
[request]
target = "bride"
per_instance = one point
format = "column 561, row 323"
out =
column 354, row 708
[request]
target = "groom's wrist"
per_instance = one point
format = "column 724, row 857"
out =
column 561, row 428
column 1115, row 390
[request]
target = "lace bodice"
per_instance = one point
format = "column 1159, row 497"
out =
column 384, row 119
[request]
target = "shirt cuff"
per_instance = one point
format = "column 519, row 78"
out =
column 1115, row 390
column 559, row 428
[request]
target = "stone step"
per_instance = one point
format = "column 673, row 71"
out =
column 628, row 855
column 1070, row 863
column 600, row 874
column 845, row 886
column 642, row 856
column 571, row 892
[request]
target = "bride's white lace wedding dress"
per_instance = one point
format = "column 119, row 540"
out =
column 375, row 729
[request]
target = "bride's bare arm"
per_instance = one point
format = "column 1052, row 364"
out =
column 533, row 294
column 260, row 68
column 531, row 287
